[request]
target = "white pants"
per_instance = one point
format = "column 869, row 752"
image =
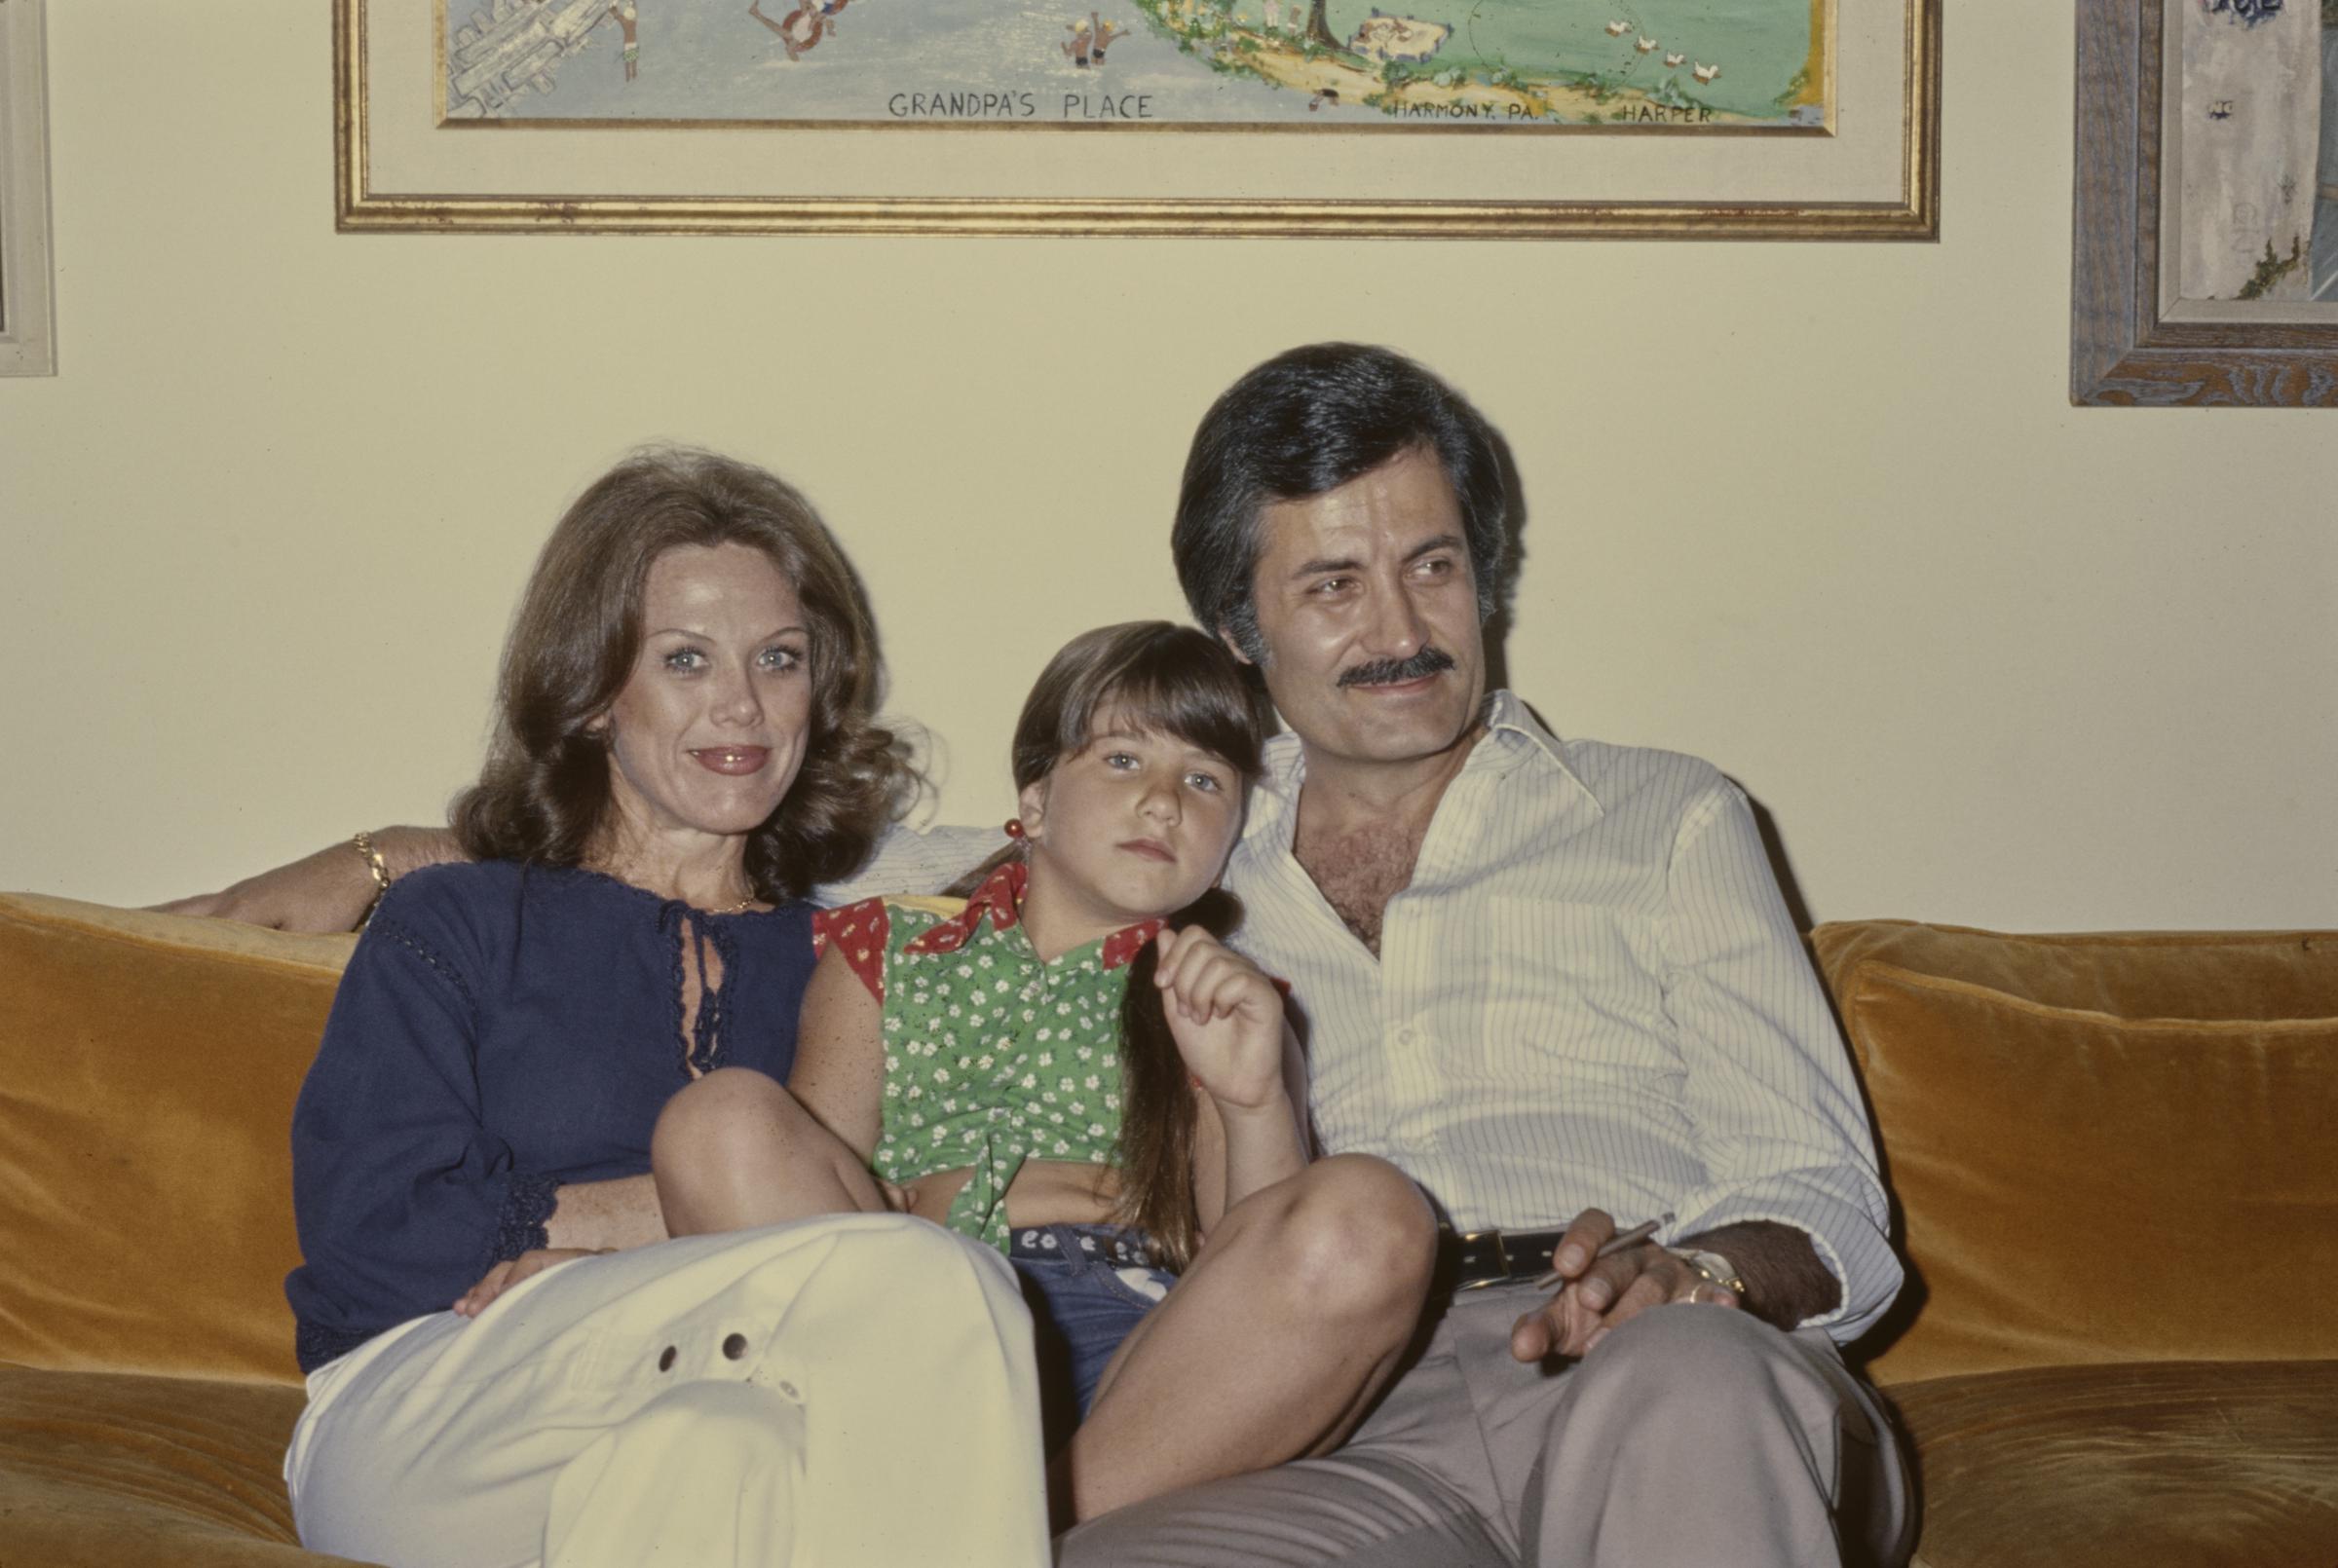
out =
column 850, row 1390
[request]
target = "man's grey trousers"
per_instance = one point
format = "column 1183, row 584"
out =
column 1693, row 1434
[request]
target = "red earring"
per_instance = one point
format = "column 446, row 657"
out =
column 1014, row 827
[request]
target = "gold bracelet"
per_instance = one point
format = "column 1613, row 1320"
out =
column 362, row 842
column 1715, row 1269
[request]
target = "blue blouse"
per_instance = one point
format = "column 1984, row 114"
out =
column 502, row 1029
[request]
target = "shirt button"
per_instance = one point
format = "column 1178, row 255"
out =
column 733, row 1346
column 666, row 1360
column 1405, row 1036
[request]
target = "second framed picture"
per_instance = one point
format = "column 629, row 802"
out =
column 2205, row 223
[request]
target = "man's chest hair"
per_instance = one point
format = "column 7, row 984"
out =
column 1358, row 872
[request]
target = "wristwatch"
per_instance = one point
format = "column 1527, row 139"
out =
column 1716, row 1270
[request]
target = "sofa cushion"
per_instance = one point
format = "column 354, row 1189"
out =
column 2200, row 1463
column 2105, row 1148
column 148, row 1065
column 2203, row 975
column 98, row 1469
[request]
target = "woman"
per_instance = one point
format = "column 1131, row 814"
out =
column 507, row 1360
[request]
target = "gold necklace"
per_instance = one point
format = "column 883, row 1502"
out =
column 612, row 871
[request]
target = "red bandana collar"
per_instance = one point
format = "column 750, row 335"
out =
column 1001, row 897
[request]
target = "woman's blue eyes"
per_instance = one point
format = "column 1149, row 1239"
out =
column 689, row 660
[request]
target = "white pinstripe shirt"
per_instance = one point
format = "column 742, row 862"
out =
column 1590, row 995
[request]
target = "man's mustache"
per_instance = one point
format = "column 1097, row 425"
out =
column 1426, row 662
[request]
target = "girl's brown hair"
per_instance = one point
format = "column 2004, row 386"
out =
column 544, row 794
column 1172, row 679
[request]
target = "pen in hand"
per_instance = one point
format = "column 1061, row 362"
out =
column 1617, row 1242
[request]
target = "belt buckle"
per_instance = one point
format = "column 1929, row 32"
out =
column 1501, row 1258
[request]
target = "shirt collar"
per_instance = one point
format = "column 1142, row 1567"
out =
column 1001, row 897
column 1513, row 736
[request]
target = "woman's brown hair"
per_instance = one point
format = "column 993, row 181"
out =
column 544, row 794
column 1172, row 679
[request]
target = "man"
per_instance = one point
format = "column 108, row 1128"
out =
column 1555, row 983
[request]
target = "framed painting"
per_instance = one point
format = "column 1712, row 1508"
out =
column 1739, row 119
column 2205, row 254
column 28, row 334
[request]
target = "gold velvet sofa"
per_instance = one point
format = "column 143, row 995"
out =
column 2113, row 1157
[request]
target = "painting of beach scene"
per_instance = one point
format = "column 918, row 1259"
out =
column 1518, row 65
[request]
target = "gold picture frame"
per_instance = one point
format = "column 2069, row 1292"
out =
column 2131, row 342
column 1874, row 174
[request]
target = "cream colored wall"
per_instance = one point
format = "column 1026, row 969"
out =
column 1822, row 513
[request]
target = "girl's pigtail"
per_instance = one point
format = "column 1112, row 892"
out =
column 1158, row 1112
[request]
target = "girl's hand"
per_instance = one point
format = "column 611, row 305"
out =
column 512, row 1270
column 1226, row 1016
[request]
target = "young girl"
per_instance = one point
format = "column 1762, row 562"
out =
column 1071, row 1068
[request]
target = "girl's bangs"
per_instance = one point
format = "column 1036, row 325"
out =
column 1180, row 696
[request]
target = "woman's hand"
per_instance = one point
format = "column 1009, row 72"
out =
column 512, row 1270
column 1227, row 1018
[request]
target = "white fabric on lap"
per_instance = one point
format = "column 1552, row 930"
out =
column 859, row 1388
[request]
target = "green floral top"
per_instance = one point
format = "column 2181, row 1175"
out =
column 991, row 1056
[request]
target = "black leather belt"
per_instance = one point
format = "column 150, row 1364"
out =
column 1472, row 1259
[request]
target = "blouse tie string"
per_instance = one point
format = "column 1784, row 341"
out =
column 674, row 918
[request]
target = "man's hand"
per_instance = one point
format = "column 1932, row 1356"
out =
column 330, row 890
column 1598, row 1296
column 512, row 1270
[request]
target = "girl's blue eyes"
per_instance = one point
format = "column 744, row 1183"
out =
column 1123, row 761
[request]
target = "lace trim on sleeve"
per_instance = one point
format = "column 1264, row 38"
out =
column 314, row 1343
column 528, row 1201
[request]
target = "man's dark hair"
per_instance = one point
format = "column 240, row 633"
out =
column 1308, row 420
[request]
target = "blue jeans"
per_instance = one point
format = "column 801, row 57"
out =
column 1088, row 1286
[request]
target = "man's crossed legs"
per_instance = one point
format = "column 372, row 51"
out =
column 1693, row 1434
